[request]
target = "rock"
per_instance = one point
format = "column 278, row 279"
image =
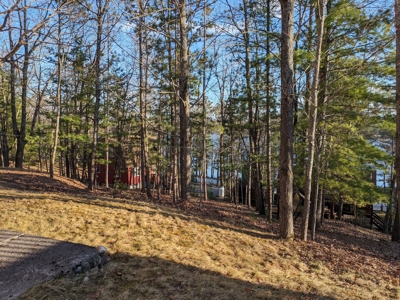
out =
column 103, row 256
column 86, row 279
column 38, row 260
column 102, row 250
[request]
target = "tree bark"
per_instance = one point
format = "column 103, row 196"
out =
column 143, row 164
column 221, row 179
column 204, row 112
column 143, row 72
column 20, row 135
column 173, row 182
column 101, row 10
column 14, row 121
column 286, row 128
column 313, row 120
column 4, row 128
column 316, row 191
column 340, row 209
column 269, row 190
column 396, row 225
column 58, row 99
column 185, row 152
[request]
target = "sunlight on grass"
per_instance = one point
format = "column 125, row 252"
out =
column 161, row 253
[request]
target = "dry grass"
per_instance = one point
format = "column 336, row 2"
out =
column 164, row 253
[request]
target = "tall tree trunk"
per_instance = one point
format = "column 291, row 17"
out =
column 185, row 157
column 175, row 143
column 107, row 118
column 4, row 128
column 221, row 166
column 101, row 10
column 107, row 158
column 58, row 99
column 286, row 129
column 143, row 163
column 321, row 164
column 146, row 144
column 313, row 120
column 256, row 136
column 173, row 108
column 13, row 98
column 252, row 129
column 396, row 226
column 269, row 190
column 204, row 112
column 316, row 202
column 174, row 182
column 159, row 152
column 86, row 172
column 143, row 67
column 20, row 136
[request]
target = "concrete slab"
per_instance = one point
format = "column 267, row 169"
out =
column 27, row 260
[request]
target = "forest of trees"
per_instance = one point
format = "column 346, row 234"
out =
column 277, row 96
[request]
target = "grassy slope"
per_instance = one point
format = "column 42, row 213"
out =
column 165, row 253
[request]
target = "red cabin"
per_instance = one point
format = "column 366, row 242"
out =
column 129, row 176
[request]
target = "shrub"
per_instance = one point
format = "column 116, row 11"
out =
column 118, row 185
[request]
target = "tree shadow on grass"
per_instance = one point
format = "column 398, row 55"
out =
column 39, row 182
column 134, row 277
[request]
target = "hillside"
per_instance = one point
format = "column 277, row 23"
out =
column 164, row 251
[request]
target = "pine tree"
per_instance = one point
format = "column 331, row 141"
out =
column 287, row 101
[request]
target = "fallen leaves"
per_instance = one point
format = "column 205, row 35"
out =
column 343, row 248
